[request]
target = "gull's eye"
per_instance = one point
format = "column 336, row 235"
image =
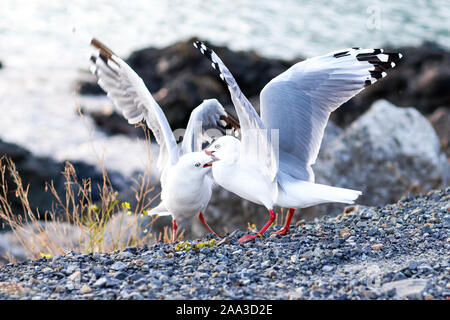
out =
column 197, row 164
column 217, row 146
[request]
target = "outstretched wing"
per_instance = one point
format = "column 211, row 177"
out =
column 299, row 101
column 256, row 140
column 130, row 95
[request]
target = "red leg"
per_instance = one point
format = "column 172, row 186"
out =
column 249, row 237
column 174, row 230
column 200, row 216
column 285, row 229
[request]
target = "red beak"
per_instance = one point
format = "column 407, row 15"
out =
column 208, row 152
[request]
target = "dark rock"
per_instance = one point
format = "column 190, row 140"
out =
column 120, row 275
column 132, row 250
column 37, row 171
column 413, row 265
column 440, row 120
column 420, row 79
column 111, row 122
column 119, row 266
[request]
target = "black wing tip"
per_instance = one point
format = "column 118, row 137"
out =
column 341, row 54
column 380, row 62
column 203, row 49
column 105, row 53
column 201, row 46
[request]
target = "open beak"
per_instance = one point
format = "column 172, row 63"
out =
column 208, row 164
column 214, row 158
column 209, row 153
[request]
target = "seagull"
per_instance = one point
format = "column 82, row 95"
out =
column 271, row 165
column 185, row 174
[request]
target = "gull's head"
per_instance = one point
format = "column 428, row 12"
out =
column 224, row 148
column 197, row 163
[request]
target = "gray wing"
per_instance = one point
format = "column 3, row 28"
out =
column 256, row 145
column 205, row 120
column 130, row 95
column 299, row 101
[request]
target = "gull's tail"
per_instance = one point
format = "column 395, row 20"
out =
column 302, row 194
column 334, row 194
column 160, row 210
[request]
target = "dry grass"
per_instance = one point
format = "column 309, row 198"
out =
column 75, row 222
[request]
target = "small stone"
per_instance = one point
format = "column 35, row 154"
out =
column 118, row 266
column 143, row 287
column 413, row 265
column 71, row 269
column 86, row 289
column 265, row 264
column 100, row 283
column 427, row 229
column 425, row 268
column 215, row 274
column 225, row 240
column 377, row 246
column 391, row 292
column 76, row 276
column 139, row 262
column 132, row 250
column 120, row 275
column 136, row 277
column 406, row 288
column 429, row 297
column 124, row 255
column 344, row 233
column 327, row 268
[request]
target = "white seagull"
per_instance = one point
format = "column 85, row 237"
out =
column 297, row 104
column 186, row 184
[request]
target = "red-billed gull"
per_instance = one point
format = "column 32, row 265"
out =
column 185, row 179
column 271, row 165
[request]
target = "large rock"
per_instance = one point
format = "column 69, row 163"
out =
column 407, row 288
column 385, row 153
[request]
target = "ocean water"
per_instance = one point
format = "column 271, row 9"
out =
column 44, row 50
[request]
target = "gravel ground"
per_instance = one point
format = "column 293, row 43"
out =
column 394, row 252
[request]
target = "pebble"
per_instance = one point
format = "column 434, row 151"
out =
column 365, row 253
column 377, row 246
column 86, row 289
column 327, row 268
column 118, row 266
column 76, row 276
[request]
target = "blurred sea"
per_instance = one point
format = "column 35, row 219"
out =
column 44, row 50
